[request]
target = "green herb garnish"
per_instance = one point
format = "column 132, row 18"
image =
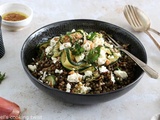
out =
column 91, row 36
column 78, row 50
column 2, row 77
column 93, row 55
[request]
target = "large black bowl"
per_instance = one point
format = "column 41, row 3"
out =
column 42, row 34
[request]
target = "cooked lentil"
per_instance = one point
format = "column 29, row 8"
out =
column 98, row 82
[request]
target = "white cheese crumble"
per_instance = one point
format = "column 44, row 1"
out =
column 54, row 59
column 44, row 75
column 32, row 67
column 117, row 54
column 75, row 77
column 87, row 73
column 98, row 41
column 108, row 45
column 87, row 45
column 41, row 72
column 48, row 50
column 103, row 69
column 112, row 77
column 53, row 41
column 83, row 89
column 111, row 57
column 80, row 57
column 73, row 30
column 121, row 74
column 65, row 45
column 68, row 87
column 58, row 71
column 102, row 58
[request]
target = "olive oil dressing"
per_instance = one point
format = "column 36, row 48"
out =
column 14, row 16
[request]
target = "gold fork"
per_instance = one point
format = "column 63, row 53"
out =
column 139, row 21
column 152, row 73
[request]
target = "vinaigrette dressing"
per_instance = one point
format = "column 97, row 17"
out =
column 14, row 16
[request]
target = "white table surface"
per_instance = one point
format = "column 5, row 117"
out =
column 141, row 103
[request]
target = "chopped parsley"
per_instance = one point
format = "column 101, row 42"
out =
column 2, row 77
column 93, row 55
column 78, row 49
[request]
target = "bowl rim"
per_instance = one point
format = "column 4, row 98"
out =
column 99, row 94
column 20, row 21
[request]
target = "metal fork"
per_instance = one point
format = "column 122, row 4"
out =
column 152, row 73
column 139, row 22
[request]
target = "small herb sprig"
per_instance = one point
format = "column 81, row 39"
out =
column 93, row 55
column 2, row 77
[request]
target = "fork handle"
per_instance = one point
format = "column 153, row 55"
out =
column 154, row 40
column 152, row 73
column 155, row 31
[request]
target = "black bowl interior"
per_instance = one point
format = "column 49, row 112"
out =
column 43, row 34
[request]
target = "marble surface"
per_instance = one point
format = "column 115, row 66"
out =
column 141, row 103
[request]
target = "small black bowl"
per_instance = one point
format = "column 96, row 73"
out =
column 28, row 52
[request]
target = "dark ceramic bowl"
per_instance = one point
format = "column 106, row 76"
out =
column 28, row 52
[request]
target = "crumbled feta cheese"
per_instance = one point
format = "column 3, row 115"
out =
column 54, row 59
column 41, row 72
column 73, row 30
column 103, row 51
column 108, row 45
column 111, row 57
column 48, row 50
column 87, row 45
column 83, row 89
column 53, row 41
column 121, row 74
column 103, row 69
column 87, row 73
column 44, row 75
column 68, row 87
column 65, row 45
column 32, row 67
column 75, row 77
column 98, row 41
column 80, row 57
column 112, row 78
column 117, row 54
column 106, row 50
column 102, row 58
column 58, row 71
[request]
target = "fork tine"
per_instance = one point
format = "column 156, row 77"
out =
column 131, row 14
column 128, row 15
column 134, row 12
column 113, row 41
